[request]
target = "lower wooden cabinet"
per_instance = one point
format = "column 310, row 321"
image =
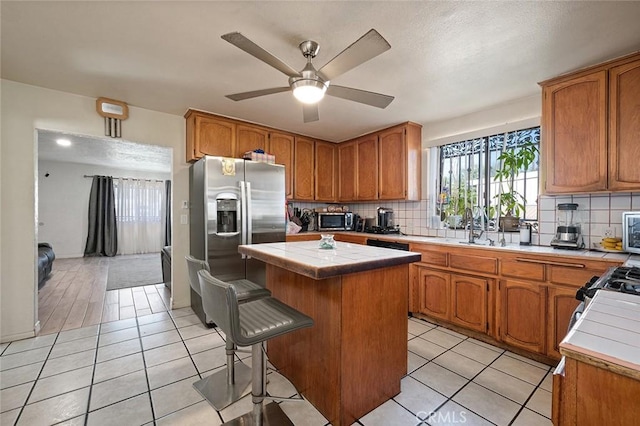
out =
column 434, row 293
column 585, row 394
column 460, row 299
column 469, row 302
column 522, row 312
column 561, row 302
column 521, row 301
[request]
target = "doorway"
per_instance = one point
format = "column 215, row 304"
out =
column 75, row 293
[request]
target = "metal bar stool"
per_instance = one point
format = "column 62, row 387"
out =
column 252, row 323
column 225, row 387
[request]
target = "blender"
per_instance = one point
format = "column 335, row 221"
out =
column 568, row 233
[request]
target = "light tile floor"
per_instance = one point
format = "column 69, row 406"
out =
column 140, row 371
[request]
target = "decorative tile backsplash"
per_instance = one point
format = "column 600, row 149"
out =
column 598, row 212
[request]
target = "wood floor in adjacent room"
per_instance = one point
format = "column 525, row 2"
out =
column 75, row 296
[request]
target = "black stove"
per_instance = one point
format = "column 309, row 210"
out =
column 624, row 279
column 381, row 230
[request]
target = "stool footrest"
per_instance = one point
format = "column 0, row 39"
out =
column 218, row 393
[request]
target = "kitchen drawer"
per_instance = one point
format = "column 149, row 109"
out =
column 518, row 269
column 576, row 275
column 348, row 238
column 476, row 264
column 432, row 256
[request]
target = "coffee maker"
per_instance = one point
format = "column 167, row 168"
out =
column 385, row 223
column 568, row 232
column 385, row 218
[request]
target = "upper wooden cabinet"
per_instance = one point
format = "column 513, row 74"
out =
column 303, row 169
column 208, row 135
column 249, row 138
column 624, row 127
column 347, row 171
column 381, row 166
column 575, row 134
column 281, row 146
column 325, row 171
column 384, row 165
column 367, row 168
column 399, row 174
column 590, row 129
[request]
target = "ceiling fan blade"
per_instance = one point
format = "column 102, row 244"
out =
column 366, row 47
column 255, row 93
column 253, row 49
column 362, row 96
column 310, row 112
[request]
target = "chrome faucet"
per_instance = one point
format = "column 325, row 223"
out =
column 468, row 215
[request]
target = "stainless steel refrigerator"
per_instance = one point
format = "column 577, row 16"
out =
column 234, row 202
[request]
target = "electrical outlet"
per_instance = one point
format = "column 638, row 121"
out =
column 609, row 232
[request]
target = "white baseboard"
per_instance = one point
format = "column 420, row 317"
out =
column 18, row 336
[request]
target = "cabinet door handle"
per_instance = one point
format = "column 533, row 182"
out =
column 544, row 262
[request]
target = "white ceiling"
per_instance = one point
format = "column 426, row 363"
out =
column 106, row 152
column 447, row 59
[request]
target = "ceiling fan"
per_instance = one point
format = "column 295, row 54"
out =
column 309, row 85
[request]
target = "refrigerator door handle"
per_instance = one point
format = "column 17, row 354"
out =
column 243, row 214
column 249, row 238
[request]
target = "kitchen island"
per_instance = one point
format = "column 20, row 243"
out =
column 354, row 356
column 601, row 364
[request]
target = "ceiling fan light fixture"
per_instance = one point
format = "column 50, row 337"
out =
column 308, row 91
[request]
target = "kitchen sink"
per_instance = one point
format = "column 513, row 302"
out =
column 475, row 243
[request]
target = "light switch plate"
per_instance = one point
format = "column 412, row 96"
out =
column 184, row 219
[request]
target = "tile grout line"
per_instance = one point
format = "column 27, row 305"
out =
column 432, row 361
column 463, row 386
column 521, row 406
column 146, row 375
column 93, row 374
column 193, row 361
column 529, row 398
column 36, row 380
column 504, row 352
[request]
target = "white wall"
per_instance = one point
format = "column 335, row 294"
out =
column 26, row 108
column 63, row 201
column 500, row 118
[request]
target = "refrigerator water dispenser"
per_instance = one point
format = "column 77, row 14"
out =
column 227, row 217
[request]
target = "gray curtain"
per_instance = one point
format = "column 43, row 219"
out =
column 102, row 238
column 167, row 217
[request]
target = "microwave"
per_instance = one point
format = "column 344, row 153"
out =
column 334, row 221
column 631, row 232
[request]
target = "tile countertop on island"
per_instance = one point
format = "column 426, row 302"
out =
column 607, row 335
column 307, row 258
column 484, row 244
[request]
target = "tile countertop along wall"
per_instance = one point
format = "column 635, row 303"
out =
column 607, row 334
column 598, row 211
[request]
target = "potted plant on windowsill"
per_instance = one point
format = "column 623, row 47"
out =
column 511, row 202
column 454, row 211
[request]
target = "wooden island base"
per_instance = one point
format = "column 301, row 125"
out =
column 354, row 356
